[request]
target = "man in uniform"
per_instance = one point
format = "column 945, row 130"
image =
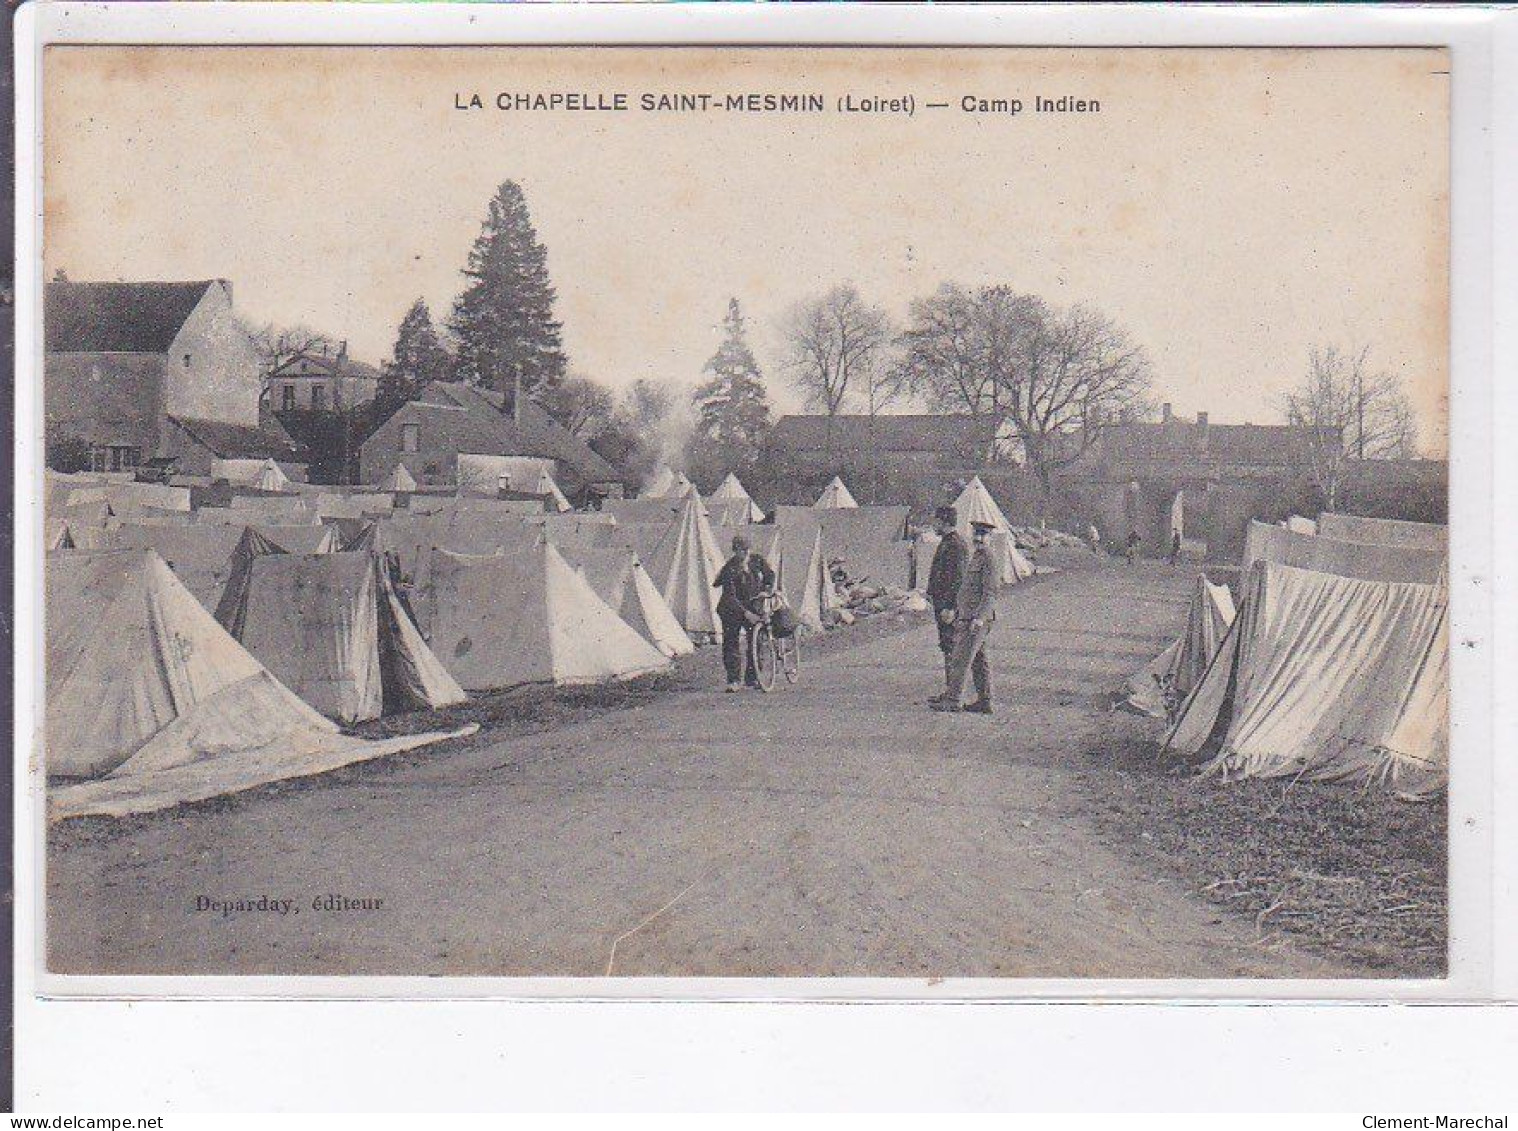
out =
column 974, row 612
column 743, row 579
column 943, row 585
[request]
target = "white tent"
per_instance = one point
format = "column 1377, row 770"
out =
column 1327, row 678
column 333, row 628
column 732, row 490
column 271, row 478
column 1299, row 525
column 1383, row 531
column 150, row 697
column 667, row 484
column 835, row 495
column 1365, row 560
column 684, row 562
column 1180, row 667
column 975, row 504
column 504, row 620
column 401, row 480
column 619, row 579
column 546, row 487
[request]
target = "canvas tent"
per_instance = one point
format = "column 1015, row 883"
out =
column 1367, row 561
column 731, row 512
column 1326, row 678
column 154, row 704
column 55, row 535
column 835, row 495
column 683, row 559
column 401, row 481
column 732, row 490
column 975, row 504
column 333, row 629
column 870, row 541
column 619, row 579
column 1299, row 525
column 1181, row 666
column 504, row 620
column 1383, row 531
column 200, row 556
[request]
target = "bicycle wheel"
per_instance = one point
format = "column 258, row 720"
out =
column 762, row 656
column 790, row 657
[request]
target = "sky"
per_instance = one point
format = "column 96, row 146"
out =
column 1231, row 208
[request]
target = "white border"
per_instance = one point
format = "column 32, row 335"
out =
column 1474, row 975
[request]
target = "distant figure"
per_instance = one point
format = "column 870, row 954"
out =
column 1175, row 547
column 974, row 613
column 744, row 578
column 1094, row 536
column 1132, row 547
column 943, row 587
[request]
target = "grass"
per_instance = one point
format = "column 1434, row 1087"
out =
column 1347, row 872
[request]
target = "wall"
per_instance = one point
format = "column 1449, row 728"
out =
column 222, row 381
column 106, row 397
column 381, row 452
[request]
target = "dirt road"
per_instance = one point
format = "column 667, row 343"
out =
column 835, row 828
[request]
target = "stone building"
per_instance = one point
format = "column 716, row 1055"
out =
column 428, row 433
column 138, row 371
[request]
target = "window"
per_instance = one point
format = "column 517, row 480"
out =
column 114, row 457
column 287, row 398
column 318, row 396
column 187, row 361
column 409, row 437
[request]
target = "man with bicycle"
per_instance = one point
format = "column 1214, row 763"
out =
column 744, row 579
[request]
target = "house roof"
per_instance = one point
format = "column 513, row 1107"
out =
column 331, row 364
column 473, row 421
column 239, row 441
column 890, row 433
column 118, row 317
column 1240, row 444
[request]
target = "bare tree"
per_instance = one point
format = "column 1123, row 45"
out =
column 580, row 404
column 1347, row 411
column 276, row 345
column 833, row 345
column 1054, row 379
column 1066, row 376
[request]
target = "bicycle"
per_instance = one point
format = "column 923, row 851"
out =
column 771, row 653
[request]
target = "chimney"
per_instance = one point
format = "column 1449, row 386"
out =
column 1165, row 413
column 342, row 350
column 1201, row 427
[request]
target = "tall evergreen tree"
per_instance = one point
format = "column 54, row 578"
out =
column 733, row 410
column 418, row 357
column 504, row 321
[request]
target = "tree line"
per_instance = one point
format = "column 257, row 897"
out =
column 1046, row 379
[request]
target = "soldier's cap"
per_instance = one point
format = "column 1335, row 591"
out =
column 946, row 514
column 983, row 527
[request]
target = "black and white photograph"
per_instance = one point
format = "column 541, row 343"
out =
column 745, row 513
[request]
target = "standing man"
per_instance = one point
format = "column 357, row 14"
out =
column 944, row 576
column 1133, row 545
column 974, row 613
column 1175, row 547
column 1094, row 537
column 743, row 579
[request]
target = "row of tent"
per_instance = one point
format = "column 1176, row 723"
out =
column 1333, row 667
